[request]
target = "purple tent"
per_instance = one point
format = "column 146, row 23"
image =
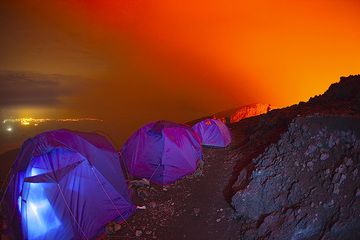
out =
column 66, row 185
column 162, row 152
column 213, row 133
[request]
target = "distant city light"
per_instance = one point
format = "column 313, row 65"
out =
column 36, row 121
column 9, row 129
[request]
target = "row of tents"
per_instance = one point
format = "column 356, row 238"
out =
column 69, row 185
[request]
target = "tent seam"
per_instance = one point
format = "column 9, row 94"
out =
column 62, row 195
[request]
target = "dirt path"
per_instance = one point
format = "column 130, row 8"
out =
column 192, row 208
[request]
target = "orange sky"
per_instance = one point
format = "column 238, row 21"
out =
column 137, row 61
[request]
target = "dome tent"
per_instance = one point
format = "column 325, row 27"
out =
column 162, row 152
column 213, row 133
column 66, row 185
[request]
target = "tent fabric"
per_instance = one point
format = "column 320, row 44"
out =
column 66, row 185
column 213, row 132
column 162, row 152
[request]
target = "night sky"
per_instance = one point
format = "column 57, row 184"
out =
column 130, row 62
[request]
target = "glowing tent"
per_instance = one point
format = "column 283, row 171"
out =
column 66, row 185
column 162, row 152
column 213, row 133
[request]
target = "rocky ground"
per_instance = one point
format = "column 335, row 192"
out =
column 292, row 173
column 183, row 209
column 306, row 186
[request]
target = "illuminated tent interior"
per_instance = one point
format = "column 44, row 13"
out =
column 66, row 185
column 213, row 132
column 162, row 152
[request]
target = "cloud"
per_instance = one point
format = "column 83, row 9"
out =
column 34, row 89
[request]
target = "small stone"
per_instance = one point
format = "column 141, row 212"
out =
column 196, row 211
column 138, row 233
column 357, row 192
column 117, row 227
column 324, row 156
column 355, row 172
column 110, row 228
column 143, row 194
column 152, row 204
column 331, row 203
column 348, row 162
column 341, row 168
column 310, row 164
column 336, row 178
column 148, row 232
column 331, row 142
column 341, row 180
column 311, row 149
column 218, row 220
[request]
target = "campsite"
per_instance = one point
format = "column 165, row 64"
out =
column 179, row 120
column 67, row 184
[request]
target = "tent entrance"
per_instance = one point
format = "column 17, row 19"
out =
column 40, row 217
column 39, row 202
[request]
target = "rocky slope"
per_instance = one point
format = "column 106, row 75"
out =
column 297, row 177
column 341, row 99
column 307, row 185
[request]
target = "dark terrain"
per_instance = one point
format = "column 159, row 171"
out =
column 292, row 173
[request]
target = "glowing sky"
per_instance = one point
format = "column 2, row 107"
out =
column 136, row 61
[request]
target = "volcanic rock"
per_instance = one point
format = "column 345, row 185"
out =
column 306, row 190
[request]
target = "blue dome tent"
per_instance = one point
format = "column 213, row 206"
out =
column 66, row 185
column 213, row 133
column 162, row 152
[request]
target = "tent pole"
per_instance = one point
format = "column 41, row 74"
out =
column 92, row 168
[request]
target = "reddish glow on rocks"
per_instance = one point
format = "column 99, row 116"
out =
column 235, row 115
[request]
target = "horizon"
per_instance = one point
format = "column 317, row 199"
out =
column 14, row 131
